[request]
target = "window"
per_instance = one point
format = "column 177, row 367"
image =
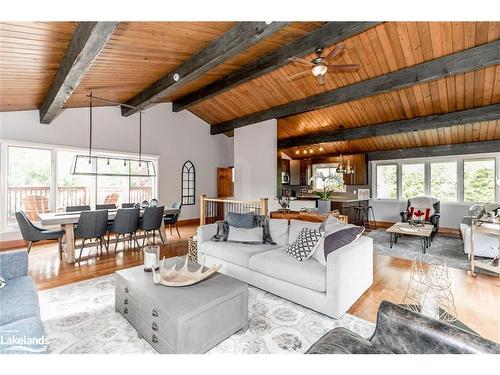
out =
column 28, row 184
column 329, row 169
column 387, row 187
column 444, row 181
column 479, row 180
column 72, row 190
column 188, row 183
column 412, row 180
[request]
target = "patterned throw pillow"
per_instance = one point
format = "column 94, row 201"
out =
column 305, row 243
column 2, row 282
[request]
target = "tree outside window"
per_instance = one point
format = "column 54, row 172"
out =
column 413, row 180
column 479, row 180
column 444, row 181
column 387, row 187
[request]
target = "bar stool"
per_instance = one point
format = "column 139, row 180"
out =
column 362, row 217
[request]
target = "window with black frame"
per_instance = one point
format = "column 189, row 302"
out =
column 188, row 186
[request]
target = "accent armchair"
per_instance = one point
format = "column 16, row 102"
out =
column 429, row 206
column 401, row 331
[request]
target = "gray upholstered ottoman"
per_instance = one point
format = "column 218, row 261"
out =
column 190, row 319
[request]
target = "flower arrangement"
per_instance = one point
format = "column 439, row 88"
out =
column 418, row 220
column 330, row 184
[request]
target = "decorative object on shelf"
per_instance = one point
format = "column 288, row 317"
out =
column 188, row 183
column 144, row 204
column 151, row 258
column 193, row 249
column 153, row 203
column 94, row 165
column 284, row 203
column 183, row 277
column 330, row 184
column 429, row 289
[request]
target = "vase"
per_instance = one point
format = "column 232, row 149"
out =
column 324, row 206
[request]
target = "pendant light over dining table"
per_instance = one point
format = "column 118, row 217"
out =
column 100, row 165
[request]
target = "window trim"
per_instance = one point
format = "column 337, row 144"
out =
column 54, row 148
column 427, row 162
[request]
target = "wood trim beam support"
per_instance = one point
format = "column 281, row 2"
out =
column 486, row 113
column 327, row 35
column 232, row 42
column 442, row 150
column 87, row 42
column 460, row 62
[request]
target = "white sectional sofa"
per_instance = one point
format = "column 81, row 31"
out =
column 330, row 289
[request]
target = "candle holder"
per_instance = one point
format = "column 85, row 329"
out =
column 151, row 258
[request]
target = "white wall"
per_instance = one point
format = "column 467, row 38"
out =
column 255, row 159
column 175, row 137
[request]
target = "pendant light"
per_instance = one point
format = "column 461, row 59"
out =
column 340, row 167
column 94, row 165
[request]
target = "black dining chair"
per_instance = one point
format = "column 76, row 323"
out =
column 77, row 208
column 92, row 224
column 126, row 222
column 32, row 233
column 172, row 219
column 128, row 205
column 151, row 221
column 111, row 206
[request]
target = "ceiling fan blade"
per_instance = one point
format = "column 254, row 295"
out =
column 298, row 75
column 300, row 61
column 343, row 67
column 339, row 48
column 321, row 79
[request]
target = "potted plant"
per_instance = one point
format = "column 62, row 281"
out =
column 330, row 184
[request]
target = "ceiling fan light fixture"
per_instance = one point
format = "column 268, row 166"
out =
column 319, row 70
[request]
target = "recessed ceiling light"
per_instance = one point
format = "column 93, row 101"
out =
column 311, row 151
column 176, row 77
column 297, row 152
column 305, row 151
column 320, row 148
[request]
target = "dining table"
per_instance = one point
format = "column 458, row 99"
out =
column 67, row 221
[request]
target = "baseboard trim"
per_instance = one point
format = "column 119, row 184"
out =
column 450, row 232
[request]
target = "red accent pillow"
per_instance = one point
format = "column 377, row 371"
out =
column 412, row 212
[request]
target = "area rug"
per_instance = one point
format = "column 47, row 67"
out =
column 449, row 249
column 80, row 318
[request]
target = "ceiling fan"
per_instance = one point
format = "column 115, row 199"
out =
column 320, row 65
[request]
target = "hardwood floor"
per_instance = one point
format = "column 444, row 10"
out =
column 477, row 300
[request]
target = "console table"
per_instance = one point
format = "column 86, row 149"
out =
column 305, row 216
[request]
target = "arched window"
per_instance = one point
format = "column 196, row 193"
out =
column 188, row 186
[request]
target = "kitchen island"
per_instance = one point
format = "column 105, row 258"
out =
column 344, row 203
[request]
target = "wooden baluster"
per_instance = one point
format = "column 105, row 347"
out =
column 264, row 205
column 202, row 209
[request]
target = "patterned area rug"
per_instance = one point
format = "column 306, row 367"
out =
column 80, row 318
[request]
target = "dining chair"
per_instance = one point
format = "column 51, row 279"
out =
column 172, row 219
column 106, row 206
column 92, row 224
column 126, row 222
column 128, row 205
column 32, row 233
column 151, row 221
column 77, row 208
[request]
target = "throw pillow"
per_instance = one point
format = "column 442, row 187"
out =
column 296, row 226
column 240, row 220
column 329, row 223
column 222, row 231
column 246, row 235
column 301, row 249
column 2, row 282
column 336, row 240
column 278, row 228
column 263, row 221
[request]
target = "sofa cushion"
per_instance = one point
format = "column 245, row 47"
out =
column 296, row 226
column 233, row 252
column 246, row 235
column 278, row 228
column 19, row 300
column 12, row 333
column 308, row 274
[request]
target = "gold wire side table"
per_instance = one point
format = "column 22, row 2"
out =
column 429, row 289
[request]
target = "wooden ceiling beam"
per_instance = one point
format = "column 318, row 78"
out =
column 464, row 61
column 87, row 42
column 441, row 150
column 486, row 113
column 236, row 40
column 327, row 35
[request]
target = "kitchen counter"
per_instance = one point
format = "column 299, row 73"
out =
column 333, row 199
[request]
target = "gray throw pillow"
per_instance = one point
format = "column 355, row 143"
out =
column 341, row 238
column 240, row 220
column 222, row 231
column 302, row 247
column 2, row 282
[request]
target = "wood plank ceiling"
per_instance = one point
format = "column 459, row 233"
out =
column 139, row 53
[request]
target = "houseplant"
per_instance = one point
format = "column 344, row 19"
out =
column 330, row 184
